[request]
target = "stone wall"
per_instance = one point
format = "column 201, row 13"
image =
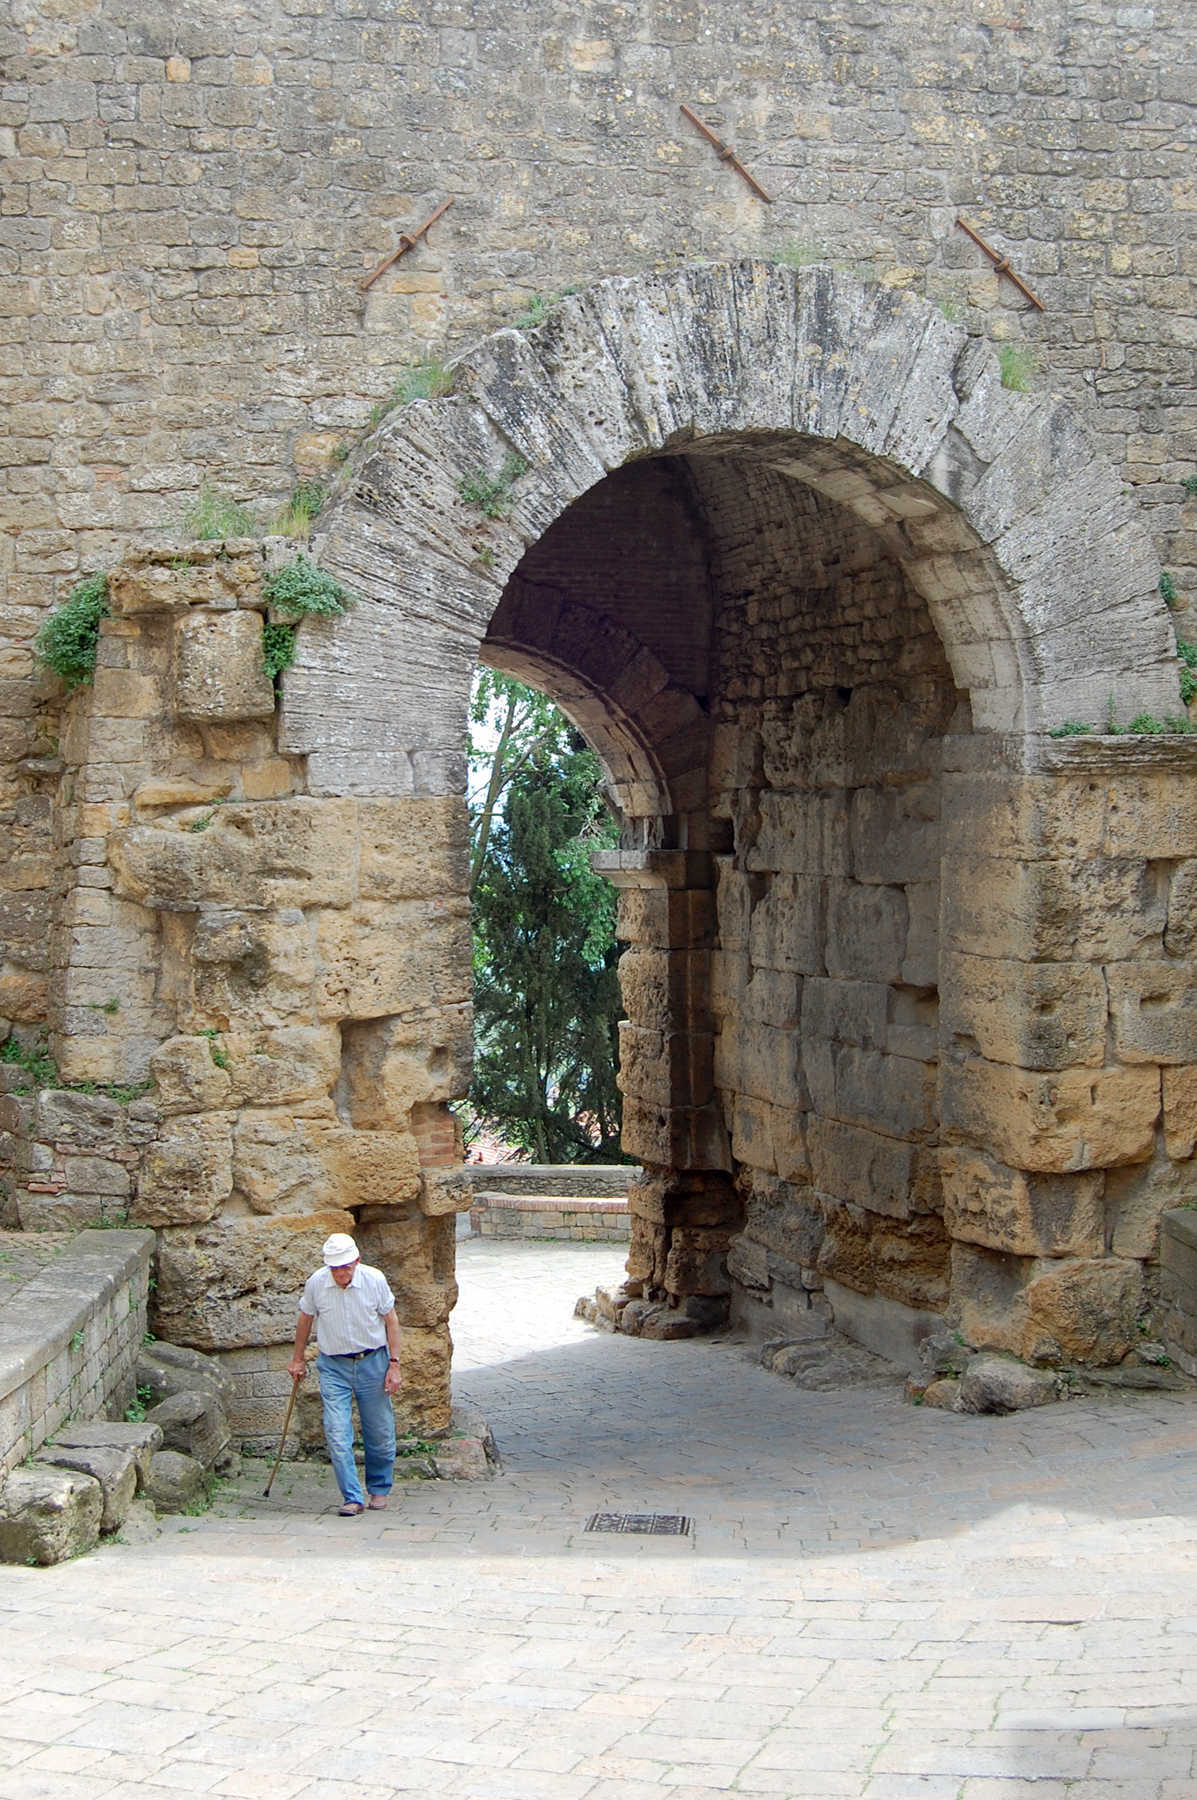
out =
column 832, row 699
column 192, row 198
column 70, row 1337
column 261, row 957
column 900, row 575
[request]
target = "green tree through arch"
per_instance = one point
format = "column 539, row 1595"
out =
column 546, row 988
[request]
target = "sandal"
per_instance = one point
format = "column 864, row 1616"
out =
column 377, row 1502
column 350, row 1510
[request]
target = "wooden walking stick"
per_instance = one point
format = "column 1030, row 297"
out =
column 278, row 1459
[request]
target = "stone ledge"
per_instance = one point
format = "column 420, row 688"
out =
column 45, row 1325
column 569, row 1217
column 39, row 1322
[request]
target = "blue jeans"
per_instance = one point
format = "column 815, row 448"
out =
column 343, row 1380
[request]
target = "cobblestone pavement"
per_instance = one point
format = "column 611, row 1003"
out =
column 875, row 1602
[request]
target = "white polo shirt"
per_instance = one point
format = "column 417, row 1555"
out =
column 348, row 1318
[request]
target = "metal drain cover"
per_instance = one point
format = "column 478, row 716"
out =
column 646, row 1524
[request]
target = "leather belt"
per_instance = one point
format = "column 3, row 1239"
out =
column 356, row 1355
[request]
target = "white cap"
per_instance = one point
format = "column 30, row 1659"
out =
column 339, row 1249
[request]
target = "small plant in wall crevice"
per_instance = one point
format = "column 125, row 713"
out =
column 70, row 635
column 492, row 493
column 1017, row 365
column 298, row 590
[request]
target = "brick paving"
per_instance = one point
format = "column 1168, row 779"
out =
column 877, row 1602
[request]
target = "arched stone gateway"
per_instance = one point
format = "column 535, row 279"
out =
column 911, row 1025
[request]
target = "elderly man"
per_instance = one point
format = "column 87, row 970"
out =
column 353, row 1310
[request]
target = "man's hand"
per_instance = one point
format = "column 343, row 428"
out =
column 393, row 1380
column 297, row 1368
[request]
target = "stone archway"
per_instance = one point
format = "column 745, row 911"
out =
column 945, row 1158
column 909, row 1012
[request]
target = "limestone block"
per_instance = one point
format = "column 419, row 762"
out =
column 124, row 694
column 97, row 1175
column 139, row 1441
column 805, row 834
column 177, row 870
column 700, row 1198
column 791, row 1156
column 61, row 1211
column 279, row 1163
column 413, row 848
column 675, row 1137
column 880, row 1174
column 846, row 1252
column 1136, row 1198
column 1054, row 1124
column 866, row 931
column 697, row 1262
column 417, row 1253
column 187, row 1175
column 1026, row 1215
column 389, row 1065
column 787, row 928
column 748, row 1263
column 237, row 1281
column 294, row 852
column 1087, row 1308
column 666, row 918
column 372, row 1168
column 1036, row 1015
column 114, row 1469
column 185, row 1077
column 1180, row 1111
column 219, row 671
column 181, row 792
column 941, row 1395
column 911, row 1265
column 284, row 1066
column 650, row 1067
column 895, row 833
column 890, row 1094
column 247, row 969
column 773, row 997
column 1180, row 933
column 167, row 1369
column 758, row 1061
column 1024, row 817
column 847, row 1012
column 1096, row 911
column 988, row 1301
column 666, row 990
column 1153, row 1010
column 785, row 1218
column 48, row 1515
column 444, row 1191
column 194, row 1423
column 271, row 779
column 424, row 1404
column 176, row 1481
column 378, row 959
column 751, row 1134
column 305, row 851
column 998, row 1384
column 220, row 575
column 735, row 894
column 1151, row 814
column 88, row 1121
column 463, row 1459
